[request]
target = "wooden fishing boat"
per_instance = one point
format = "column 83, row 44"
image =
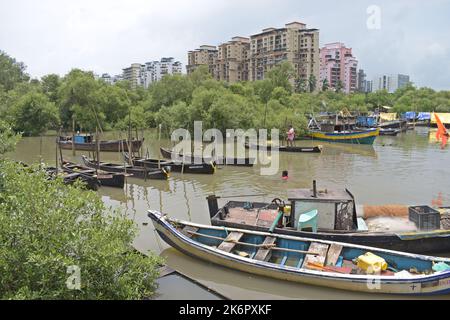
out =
column 389, row 132
column 91, row 182
column 107, row 179
column 240, row 162
column 201, row 168
column 314, row 149
column 315, row 262
column 348, row 136
column 137, row 172
column 87, row 143
column 338, row 219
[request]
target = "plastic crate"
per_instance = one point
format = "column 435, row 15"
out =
column 425, row 217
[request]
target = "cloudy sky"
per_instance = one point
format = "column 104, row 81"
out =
column 53, row 36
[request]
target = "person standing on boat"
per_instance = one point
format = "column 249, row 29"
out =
column 290, row 136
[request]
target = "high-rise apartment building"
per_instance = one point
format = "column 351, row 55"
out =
column 364, row 85
column 294, row 43
column 205, row 55
column 339, row 67
column 250, row 58
column 231, row 63
column 133, row 74
column 155, row 70
column 390, row 82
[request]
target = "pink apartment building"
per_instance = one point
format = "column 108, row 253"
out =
column 338, row 63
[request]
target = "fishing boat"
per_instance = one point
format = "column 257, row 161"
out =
column 240, row 162
column 389, row 132
column 310, row 261
column 367, row 136
column 87, row 143
column 69, row 178
column 314, row 149
column 137, row 172
column 338, row 218
column 107, row 179
column 340, row 128
column 201, row 168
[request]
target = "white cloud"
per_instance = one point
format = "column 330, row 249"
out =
column 107, row 35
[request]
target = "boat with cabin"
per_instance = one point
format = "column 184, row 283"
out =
column 333, row 215
column 86, row 142
column 340, row 128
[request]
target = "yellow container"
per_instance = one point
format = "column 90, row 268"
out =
column 371, row 263
column 287, row 211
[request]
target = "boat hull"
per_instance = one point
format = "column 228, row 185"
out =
column 105, row 146
column 430, row 285
column 107, row 179
column 137, row 172
column 239, row 162
column 358, row 137
column 315, row 149
column 201, row 168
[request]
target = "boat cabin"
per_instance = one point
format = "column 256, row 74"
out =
column 333, row 122
column 78, row 138
column 336, row 208
column 329, row 210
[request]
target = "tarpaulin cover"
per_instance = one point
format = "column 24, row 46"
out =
column 424, row 116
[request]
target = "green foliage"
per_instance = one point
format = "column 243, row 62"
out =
column 34, row 114
column 11, row 72
column 46, row 227
column 169, row 90
column 8, row 138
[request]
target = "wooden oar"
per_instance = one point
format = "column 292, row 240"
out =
column 265, row 246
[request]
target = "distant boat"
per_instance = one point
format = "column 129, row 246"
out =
column 87, row 143
column 315, row 262
column 389, row 132
column 188, row 158
column 201, row 168
column 350, row 136
column 314, row 149
column 137, row 172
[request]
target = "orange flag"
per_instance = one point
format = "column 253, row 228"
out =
column 442, row 132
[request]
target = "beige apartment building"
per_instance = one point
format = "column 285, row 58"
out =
column 232, row 60
column 244, row 58
column 205, row 55
column 294, row 43
column 133, row 74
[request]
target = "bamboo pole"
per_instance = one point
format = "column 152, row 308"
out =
column 73, row 137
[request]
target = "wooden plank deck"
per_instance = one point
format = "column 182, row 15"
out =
column 333, row 254
column 321, row 249
column 187, row 229
column 264, row 254
column 229, row 244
